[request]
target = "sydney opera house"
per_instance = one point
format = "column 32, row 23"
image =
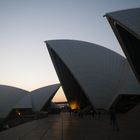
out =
column 15, row 102
column 125, row 24
column 92, row 75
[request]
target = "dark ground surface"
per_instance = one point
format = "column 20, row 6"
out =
column 65, row 127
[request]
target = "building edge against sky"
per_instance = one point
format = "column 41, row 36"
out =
column 42, row 97
column 92, row 74
column 12, row 98
column 123, row 28
column 126, row 26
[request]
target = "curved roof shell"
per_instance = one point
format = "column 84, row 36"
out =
column 101, row 73
column 43, row 95
column 129, row 19
column 10, row 97
column 25, row 102
column 125, row 24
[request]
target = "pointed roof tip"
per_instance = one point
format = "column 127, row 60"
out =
column 122, row 10
column 43, row 95
column 46, row 41
column 52, row 85
column 128, row 19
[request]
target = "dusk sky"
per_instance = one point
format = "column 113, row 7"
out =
column 26, row 24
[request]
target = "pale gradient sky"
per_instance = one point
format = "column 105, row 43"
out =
column 26, row 24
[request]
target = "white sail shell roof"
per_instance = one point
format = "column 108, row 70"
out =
column 42, row 95
column 25, row 102
column 101, row 73
column 9, row 98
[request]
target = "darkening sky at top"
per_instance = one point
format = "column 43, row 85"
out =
column 25, row 24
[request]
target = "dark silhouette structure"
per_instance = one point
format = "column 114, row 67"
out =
column 126, row 26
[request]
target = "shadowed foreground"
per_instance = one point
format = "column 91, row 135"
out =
column 66, row 127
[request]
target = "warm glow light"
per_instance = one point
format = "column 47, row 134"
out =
column 18, row 113
column 74, row 105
